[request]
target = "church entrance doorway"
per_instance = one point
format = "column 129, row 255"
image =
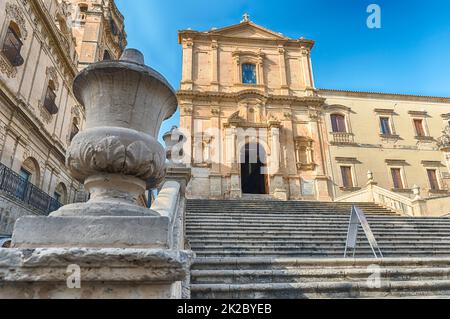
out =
column 253, row 176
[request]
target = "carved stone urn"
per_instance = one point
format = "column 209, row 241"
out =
column 117, row 156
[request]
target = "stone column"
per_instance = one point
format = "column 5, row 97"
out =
column 305, row 62
column 215, row 176
column 235, row 179
column 188, row 55
column 121, row 250
column 279, row 189
column 322, row 179
column 283, row 73
column 214, row 66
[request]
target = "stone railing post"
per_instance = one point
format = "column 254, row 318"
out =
column 124, row 250
column 419, row 205
column 370, row 187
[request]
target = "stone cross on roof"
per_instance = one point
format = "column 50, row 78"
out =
column 245, row 17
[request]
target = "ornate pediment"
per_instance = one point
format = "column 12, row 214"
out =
column 248, row 29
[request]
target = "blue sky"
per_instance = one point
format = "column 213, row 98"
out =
column 409, row 54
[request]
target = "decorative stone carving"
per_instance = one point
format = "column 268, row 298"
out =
column 52, row 74
column 7, row 68
column 14, row 13
column 117, row 156
column 174, row 140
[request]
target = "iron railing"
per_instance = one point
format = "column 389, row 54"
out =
column 19, row 188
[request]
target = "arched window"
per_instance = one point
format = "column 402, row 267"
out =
column 60, row 193
column 248, row 73
column 338, row 123
column 12, row 45
column 50, row 98
column 106, row 56
column 29, row 173
column 75, row 129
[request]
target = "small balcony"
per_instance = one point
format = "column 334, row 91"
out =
column 21, row 190
column 342, row 138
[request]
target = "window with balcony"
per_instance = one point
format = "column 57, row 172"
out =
column 347, row 178
column 249, row 73
column 397, row 179
column 50, row 99
column 338, row 123
column 433, row 179
column 12, row 45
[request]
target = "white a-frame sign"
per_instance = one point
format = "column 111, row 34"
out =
column 357, row 217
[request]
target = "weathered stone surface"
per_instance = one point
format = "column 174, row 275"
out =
column 111, row 232
column 105, row 273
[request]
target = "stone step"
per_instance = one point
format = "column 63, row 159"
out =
column 311, row 263
column 333, row 242
column 312, row 233
column 316, row 239
column 318, row 247
column 319, row 253
column 330, row 229
column 248, row 211
column 270, row 249
column 314, row 290
column 309, row 217
column 336, row 274
column 330, row 226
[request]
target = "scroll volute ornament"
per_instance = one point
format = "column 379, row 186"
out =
column 118, row 156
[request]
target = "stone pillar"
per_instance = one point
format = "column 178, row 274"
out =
column 306, row 69
column 279, row 189
column 283, row 73
column 188, row 55
column 215, row 176
column 186, row 123
column 235, row 179
column 322, row 180
column 214, row 66
column 121, row 250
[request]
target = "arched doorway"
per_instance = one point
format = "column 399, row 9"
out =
column 253, row 176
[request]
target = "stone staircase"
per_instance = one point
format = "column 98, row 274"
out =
column 274, row 249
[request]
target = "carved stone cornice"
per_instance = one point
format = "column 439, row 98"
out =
column 381, row 95
column 237, row 96
column 208, row 36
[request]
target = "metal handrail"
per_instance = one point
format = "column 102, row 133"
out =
column 357, row 218
column 16, row 186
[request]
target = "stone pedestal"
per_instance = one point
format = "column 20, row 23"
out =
column 92, row 273
column 279, row 191
column 235, row 187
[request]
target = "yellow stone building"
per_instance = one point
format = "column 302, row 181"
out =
column 247, row 88
column 43, row 44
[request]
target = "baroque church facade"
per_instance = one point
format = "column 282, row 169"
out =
column 43, row 45
column 245, row 88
